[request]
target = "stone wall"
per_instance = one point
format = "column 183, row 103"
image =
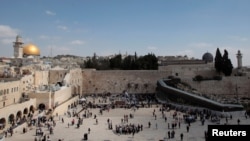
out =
column 63, row 107
column 144, row 81
column 61, row 95
column 57, row 75
column 42, row 98
column 41, row 78
column 15, row 108
column 27, row 82
column 116, row 81
column 227, row 87
column 9, row 93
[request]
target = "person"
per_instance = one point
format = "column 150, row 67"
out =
column 187, row 128
column 48, row 139
column 11, row 131
column 24, row 130
column 89, row 130
column 133, row 132
column 181, row 136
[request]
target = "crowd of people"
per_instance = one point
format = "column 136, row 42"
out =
column 169, row 115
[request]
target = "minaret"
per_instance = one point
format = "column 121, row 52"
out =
column 239, row 59
column 18, row 49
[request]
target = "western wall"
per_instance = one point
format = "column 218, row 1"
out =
column 144, row 81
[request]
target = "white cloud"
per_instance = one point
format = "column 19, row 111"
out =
column 6, row 41
column 52, row 38
column 77, row 42
column 7, row 34
column 43, row 37
column 238, row 38
column 152, row 48
column 57, row 50
column 62, row 27
column 201, row 45
column 50, row 13
column 6, row 31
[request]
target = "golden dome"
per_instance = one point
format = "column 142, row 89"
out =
column 31, row 49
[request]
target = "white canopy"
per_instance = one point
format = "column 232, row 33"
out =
column 82, row 99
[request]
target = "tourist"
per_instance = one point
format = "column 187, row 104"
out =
column 89, row 131
column 187, row 128
column 238, row 121
column 181, row 136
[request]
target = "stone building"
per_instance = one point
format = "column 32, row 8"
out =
column 28, row 86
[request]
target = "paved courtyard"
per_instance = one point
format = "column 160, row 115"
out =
column 100, row 131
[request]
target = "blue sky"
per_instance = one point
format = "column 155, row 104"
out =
column 105, row 27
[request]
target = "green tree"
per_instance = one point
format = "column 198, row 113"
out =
column 227, row 65
column 127, row 63
column 116, row 62
column 148, row 62
column 88, row 63
column 218, row 63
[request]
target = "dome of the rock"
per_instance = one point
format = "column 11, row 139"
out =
column 31, row 50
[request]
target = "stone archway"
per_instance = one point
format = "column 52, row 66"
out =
column 41, row 106
column 25, row 111
column 18, row 115
column 2, row 123
column 60, row 84
column 11, row 118
column 32, row 109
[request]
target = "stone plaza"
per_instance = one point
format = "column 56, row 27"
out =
column 100, row 131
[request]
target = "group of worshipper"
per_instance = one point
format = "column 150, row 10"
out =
column 128, row 128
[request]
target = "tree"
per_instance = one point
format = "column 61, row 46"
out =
column 116, row 62
column 227, row 64
column 218, row 61
column 127, row 63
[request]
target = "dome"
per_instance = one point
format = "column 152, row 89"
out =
column 31, row 49
column 208, row 57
